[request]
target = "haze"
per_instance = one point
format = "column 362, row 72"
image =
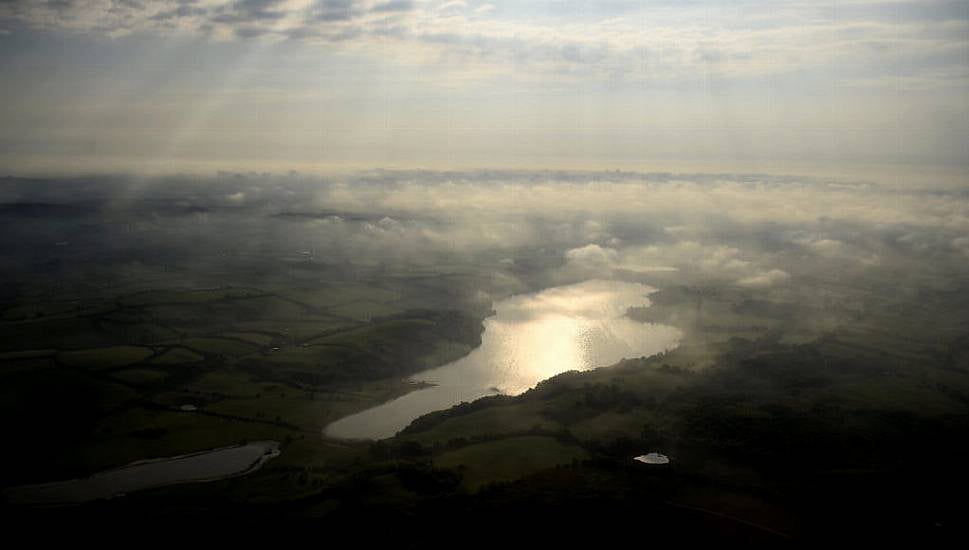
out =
column 856, row 87
column 675, row 272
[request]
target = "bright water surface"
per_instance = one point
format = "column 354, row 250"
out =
column 530, row 338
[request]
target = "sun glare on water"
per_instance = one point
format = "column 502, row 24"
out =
column 531, row 337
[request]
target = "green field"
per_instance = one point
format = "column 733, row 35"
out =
column 507, row 459
column 104, row 358
column 749, row 406
column 176, row 356
column 249, row 363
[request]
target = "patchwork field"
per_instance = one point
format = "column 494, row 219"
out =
column 167, row 372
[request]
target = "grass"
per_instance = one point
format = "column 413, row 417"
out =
column 176, row 356
column 277, row 403
column 290, row 330
column 363, row 311
column 383, row 349
column 236, row 315
column 308, row 357
column 104, row 358
column 507, row 459
column 610, row 425
column 265, row 307
column 27, row 354
column 490, row 421
column 218, row 346
column 138, row 333
column 74, row 333
column 254, row 338
column 65, row 308
column 335, row 294
column 762, row 404
column 97, row 420
column 380, row 338
column 140, row 377
column 359, row 303
column 903, row 393
column 148, row 433
column 224, row 382
column 349, row 398
column 442, row 353
column 194, row 297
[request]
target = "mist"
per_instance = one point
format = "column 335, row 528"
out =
column 362, row 326
column 526, row 227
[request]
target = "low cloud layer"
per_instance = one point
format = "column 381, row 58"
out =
column 763, row 233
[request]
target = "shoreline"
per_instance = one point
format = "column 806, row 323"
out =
column 272, row 451
column 649, row 289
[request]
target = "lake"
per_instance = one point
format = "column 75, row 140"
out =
column 530, row 338
column 203, row 466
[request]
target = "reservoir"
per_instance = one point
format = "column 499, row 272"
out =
column 530, row 338
column 203, row 466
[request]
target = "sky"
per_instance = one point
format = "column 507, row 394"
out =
column 765, row 86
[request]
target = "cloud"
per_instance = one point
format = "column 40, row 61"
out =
column 394, row 6
column 178, row 12
column 838, row 250
column 694, row 260
column 680, row 206
column 961, row 244
column 335, row 10
column 590, row 259
column 236, row 198
column 604, row 225
column 452, row 5
column 247, row 11
column 765, row 279
column 901, row 43
column 828, row 247
column 221, row 19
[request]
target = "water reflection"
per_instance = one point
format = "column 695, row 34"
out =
column 530, row 338
column 202, row 466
